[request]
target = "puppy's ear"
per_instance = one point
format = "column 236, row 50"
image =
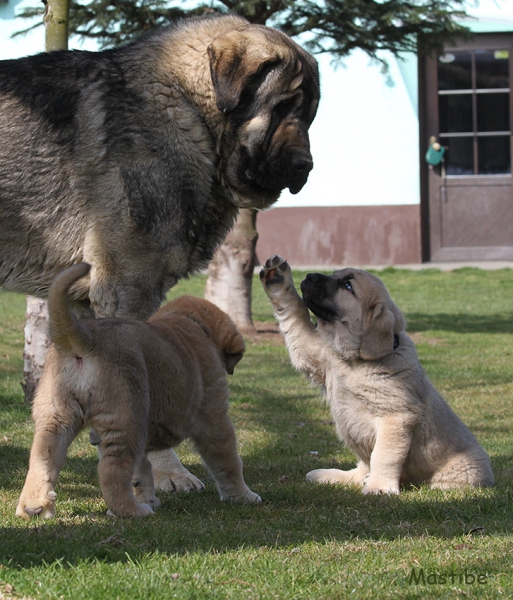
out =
column 378, row 338
column 235, row 60
column 230, row 360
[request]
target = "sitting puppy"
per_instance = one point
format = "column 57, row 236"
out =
column 141, row 386
column 384, row 407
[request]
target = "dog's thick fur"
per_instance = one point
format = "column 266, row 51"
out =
column 136, row 160
column 142, row 386
column 384, row 407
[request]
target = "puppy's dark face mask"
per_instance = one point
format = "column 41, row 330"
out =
column 355, row 314
column 324, row 294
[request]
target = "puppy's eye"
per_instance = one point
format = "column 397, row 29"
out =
column 347, row 285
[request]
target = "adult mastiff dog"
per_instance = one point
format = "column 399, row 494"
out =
column 137, row 159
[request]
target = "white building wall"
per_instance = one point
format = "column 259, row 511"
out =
column 365, row 136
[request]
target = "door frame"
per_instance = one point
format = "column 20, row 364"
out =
column 431, row 227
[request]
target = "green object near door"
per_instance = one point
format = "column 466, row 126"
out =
column 435, row 153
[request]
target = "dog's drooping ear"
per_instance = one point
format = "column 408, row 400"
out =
column 235, row 60
column 230, row 360
column 385, row 321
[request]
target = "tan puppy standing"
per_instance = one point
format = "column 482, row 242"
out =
column 384, row 407
column 142, row 386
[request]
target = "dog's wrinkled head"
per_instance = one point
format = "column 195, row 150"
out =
column 268, row 88
column 355, row 314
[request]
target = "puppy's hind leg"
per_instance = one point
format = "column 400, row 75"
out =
column 217, row 446
column 334, row 476
column 121, row 451
column 116, row 471
column 47, row 456
column 142, row 483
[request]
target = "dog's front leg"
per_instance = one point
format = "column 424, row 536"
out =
column 393, row 441
column 170, row 475
column 305, row 349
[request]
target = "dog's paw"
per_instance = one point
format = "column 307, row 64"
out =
column 177, row 481
column 139, row 511
column 246, row 497
column 377, row 486
column 276, row 275
column 169, row 475
column 41, row 504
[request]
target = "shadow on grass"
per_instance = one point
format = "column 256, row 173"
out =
column 460, row 322
column 291, row 516
column 293, row 512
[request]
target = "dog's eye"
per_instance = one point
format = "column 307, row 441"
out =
column 347, row 285
column 285, row 106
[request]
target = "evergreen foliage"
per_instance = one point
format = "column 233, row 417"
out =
column 334, row 26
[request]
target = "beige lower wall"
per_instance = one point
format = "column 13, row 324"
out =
column 344, row 235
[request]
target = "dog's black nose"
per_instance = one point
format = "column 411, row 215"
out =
column 301, row 163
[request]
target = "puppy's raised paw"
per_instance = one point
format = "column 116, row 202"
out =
column 275, row 272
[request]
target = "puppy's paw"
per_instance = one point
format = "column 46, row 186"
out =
column 276, row 276
column 378, row 486
column 39, row 503
column 177, row 481
column 149, row 499
column 328, row 476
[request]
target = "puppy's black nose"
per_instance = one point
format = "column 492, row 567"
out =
column 314, row 277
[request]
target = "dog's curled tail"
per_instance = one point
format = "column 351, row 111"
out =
column 66, row 331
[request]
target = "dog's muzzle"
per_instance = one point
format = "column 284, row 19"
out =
column 316, row 296
column 281, row 172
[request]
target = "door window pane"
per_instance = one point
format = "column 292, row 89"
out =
column 455, row 71
column 459, row 157
column 493, row 112
column 494, row 155
column 492, row 69
column 455, row 113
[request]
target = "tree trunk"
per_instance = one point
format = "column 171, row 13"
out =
column 37, row 342
column 230, row 273
column 56, row 22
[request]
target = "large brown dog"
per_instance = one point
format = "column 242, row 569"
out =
column 142, row 386
column 383, row 405
column 137, row 159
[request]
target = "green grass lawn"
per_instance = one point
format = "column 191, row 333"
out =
column 303, row 541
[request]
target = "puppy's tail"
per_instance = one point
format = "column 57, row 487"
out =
column 66, row 331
